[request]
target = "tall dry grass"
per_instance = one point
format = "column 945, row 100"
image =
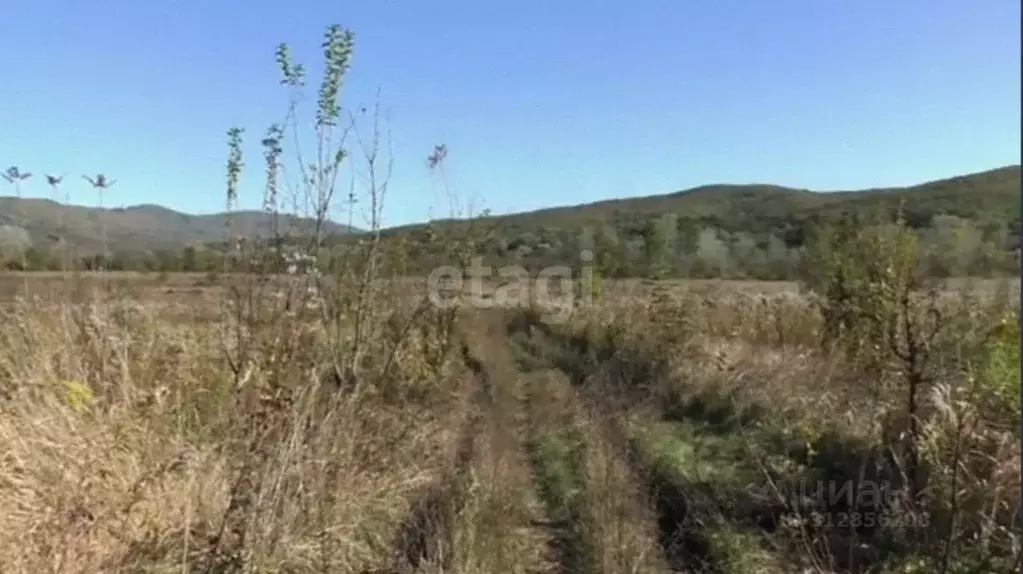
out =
column 123, row 434
column 273, row 424
column 752, row 367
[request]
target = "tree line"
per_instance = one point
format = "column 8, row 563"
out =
column 665, row 246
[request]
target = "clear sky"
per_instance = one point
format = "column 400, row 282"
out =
column 540, row 102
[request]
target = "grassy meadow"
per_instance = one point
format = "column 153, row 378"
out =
column 337, row 420
column 195, row 424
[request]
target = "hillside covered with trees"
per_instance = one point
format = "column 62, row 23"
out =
column 967, row 225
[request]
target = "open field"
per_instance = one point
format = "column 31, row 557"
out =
column 46, row 284
column 666, row 427
column 331, row 409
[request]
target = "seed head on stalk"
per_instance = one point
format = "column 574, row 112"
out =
column 100, row 183
column 15, row 176
column 54, row 182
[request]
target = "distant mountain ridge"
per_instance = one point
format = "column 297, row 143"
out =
column 992, row 196
column 992, row 192
column 138, row 227
column 989, row 196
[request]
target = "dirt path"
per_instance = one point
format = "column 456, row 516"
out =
column 483, row 518
column 604, row 520
column 690, row 532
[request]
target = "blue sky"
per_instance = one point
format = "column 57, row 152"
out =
column 541, row 103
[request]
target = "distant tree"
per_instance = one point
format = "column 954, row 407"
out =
column 744, row 254
column 953, row 246
column 14, row 245
column 166, row 261
column 607, row 251
column 95, row 262
column 712, row 253
column 780, row 260
column 42, row 259
column 189, row 260
column 661, row 243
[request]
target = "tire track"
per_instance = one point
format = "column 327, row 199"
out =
column 509, row 425
column 424, row 537
column 482, row 518
column 610, row 524
column 682, row 542
column 567, row 547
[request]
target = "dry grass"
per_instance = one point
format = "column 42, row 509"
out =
column 126, row 438
column 749, row 368
column 604, row 520
column 124, row 432
column 497, row 530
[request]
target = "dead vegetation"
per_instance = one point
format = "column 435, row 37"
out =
column 342, row 423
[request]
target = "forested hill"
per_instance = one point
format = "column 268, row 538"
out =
column 758, row 227
column 971, row 223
